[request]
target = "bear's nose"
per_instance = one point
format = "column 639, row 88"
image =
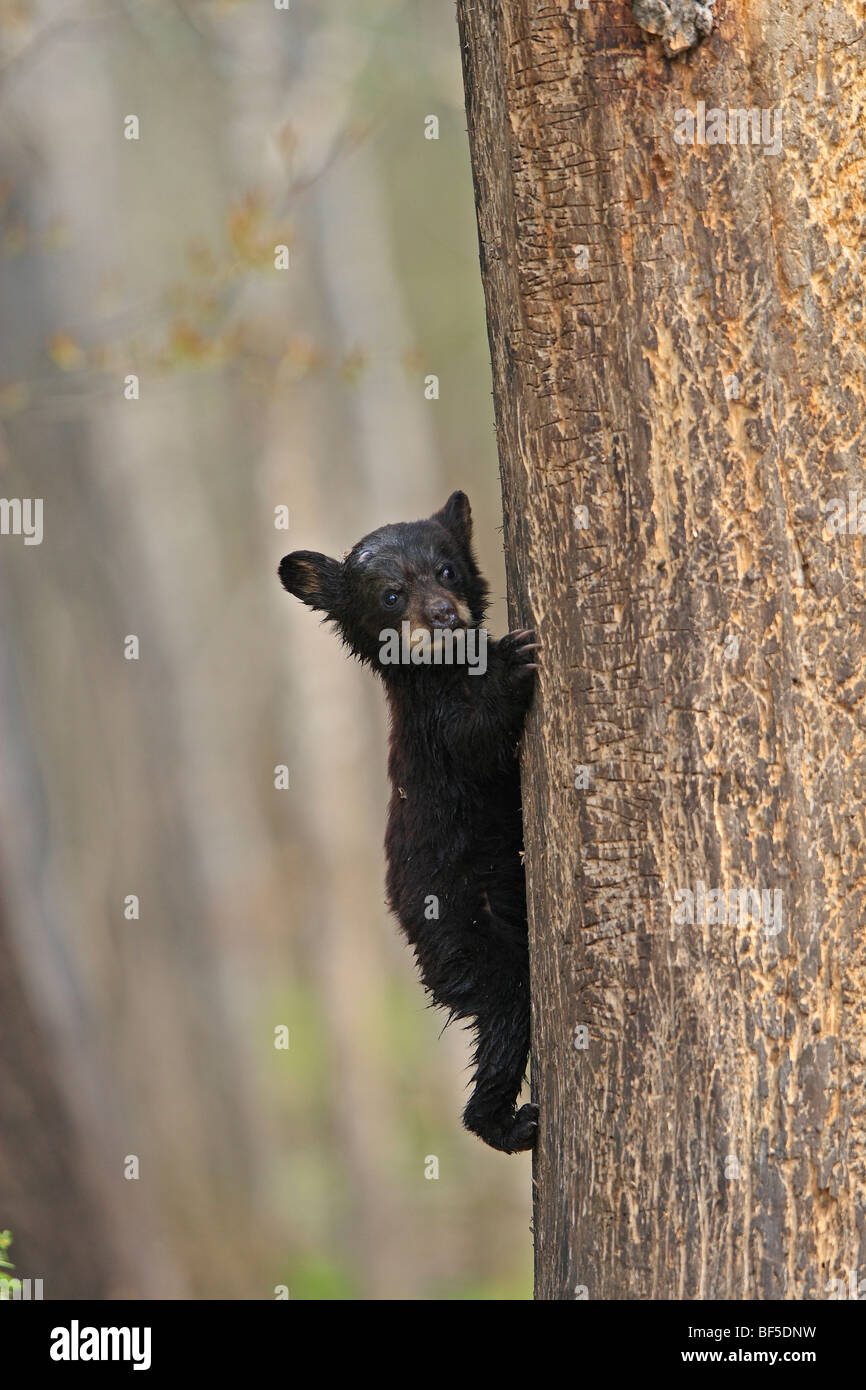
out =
column 442, row 613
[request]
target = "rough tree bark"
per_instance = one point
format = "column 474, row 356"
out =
column 693, row 379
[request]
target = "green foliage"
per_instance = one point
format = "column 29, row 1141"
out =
column 322, row 1280
column 515, row 1287
column 7, row 1284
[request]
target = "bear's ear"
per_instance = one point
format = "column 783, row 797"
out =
column 313, row 578
column 456, row 517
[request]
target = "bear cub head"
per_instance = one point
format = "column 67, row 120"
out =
column 420, row 572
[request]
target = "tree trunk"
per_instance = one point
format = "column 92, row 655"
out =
column 676, row 331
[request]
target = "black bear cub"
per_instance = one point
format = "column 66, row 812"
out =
column 409, row 600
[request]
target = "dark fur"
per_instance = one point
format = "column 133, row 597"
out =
column 454, row 823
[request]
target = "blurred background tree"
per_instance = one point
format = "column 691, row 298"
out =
column 152, row 1037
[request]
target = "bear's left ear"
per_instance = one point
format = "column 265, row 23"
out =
column 315, row 579
column 456, row 517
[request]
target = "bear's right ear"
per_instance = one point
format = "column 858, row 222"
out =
column 456, row 517
column 313, row 578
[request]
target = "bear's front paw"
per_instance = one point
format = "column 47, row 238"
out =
column 524, row 1131
column 518, row 648
column 510, row 1134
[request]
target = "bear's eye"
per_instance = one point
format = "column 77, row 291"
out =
column 391, row 598
column 447, row 573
